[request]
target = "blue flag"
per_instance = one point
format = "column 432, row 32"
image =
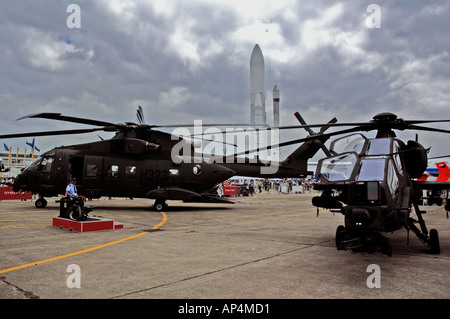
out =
column 33, row 145
column 140, row 115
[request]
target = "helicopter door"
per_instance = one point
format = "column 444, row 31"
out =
column 92, row 176
column 76, row 168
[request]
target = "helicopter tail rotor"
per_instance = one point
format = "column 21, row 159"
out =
column 312, row 133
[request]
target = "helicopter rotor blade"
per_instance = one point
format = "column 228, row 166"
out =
column 366, row 126
column 303, row 122
column 51, row 133
column 312, row 133
column 60, row 117
column 205, row 139
column 329, row 124
column 202, row 125
column 326, row 135
column 441, row 156
column 429, row 129
column 425, row 121
column 300, row 140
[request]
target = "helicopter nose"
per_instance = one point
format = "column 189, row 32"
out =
column 19, row 183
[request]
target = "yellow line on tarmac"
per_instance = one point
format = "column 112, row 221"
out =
column 24, row 212
column 23, row 226
column 84, row 251
column 163, row 221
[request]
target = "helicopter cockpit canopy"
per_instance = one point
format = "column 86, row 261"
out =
column 338, row 168
column 349, row 143
column 43, row 163
column 367, row 161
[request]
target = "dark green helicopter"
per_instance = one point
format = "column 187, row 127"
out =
column 139, row 162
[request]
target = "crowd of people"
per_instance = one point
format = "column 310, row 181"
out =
column 253, row 186
column 7, row 181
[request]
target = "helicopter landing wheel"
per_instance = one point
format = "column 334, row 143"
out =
column 40, row 203
column 434, row 242
column 339, row 236
column 159, row 205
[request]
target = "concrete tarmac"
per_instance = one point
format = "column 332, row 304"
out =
column 266, row 246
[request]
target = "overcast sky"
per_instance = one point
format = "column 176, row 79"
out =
column 189, row 60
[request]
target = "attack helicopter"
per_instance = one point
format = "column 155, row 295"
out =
column 373, row 183
column 138, row 162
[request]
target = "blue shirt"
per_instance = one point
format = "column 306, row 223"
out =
column 72, row 190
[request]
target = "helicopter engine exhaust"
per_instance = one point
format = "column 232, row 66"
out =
column 152, row 147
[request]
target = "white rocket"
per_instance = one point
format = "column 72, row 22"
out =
column 257, row 88
column 276, row 106
column 276, row 123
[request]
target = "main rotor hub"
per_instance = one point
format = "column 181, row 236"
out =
column 385, row 122
column 385, row 117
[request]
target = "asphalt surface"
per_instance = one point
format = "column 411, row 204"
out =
column 267, row 246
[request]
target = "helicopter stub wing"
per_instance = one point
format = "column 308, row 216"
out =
column 177, row 193
column 208, row 199
column 171, row 193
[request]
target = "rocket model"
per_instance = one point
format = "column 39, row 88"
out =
column 257, row 88
column 276, row 106
column 276, row 123
column 257, row 96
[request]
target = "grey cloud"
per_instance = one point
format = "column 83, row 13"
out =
column 188, row 62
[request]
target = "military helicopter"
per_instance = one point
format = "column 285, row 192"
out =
column 138, row 162
column 373, row 183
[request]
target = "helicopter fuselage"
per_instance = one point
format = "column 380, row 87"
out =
column 136, row 172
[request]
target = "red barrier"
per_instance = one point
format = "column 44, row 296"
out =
column 7, row 193
column 230, row 190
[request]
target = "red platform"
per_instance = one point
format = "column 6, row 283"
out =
column 92, row 224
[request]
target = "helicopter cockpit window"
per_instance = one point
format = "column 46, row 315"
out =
column 47, row 164
column 371, row 169
column 397, row 159
column 42, row 164
column 379, row 146
column 392, row 180
column 338, row 168
column 33, row 166
column 350, row 143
